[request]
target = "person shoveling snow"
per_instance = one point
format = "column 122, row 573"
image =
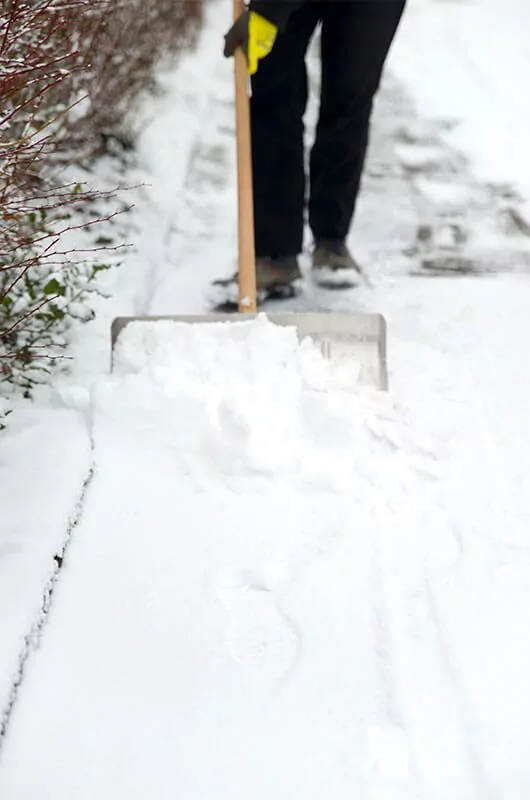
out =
column 355, row 41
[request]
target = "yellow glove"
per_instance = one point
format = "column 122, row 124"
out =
column 255, row 34
column 261, row 37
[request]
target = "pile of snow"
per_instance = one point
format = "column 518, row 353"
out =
column 247, row 398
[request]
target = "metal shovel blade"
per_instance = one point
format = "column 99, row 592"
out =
column 359, row 338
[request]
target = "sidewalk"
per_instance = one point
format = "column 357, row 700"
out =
column 448, row 596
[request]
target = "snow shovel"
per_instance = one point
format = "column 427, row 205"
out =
column 359, row 337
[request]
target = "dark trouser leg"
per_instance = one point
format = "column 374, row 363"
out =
column 279, row 97
column 356, row 38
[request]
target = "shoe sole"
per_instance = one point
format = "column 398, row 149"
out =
column 328, row 278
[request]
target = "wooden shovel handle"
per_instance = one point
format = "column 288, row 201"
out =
column 247, row 256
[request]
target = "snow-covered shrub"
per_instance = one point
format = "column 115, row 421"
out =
column 43, row 284
column 69, row 72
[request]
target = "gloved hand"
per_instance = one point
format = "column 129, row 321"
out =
column 255, row 34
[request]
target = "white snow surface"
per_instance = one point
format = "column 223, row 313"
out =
column 282, row 583
column 44, row 460
column 222, row 626
column 467, row 63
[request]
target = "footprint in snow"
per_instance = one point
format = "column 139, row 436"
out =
column 259, row 636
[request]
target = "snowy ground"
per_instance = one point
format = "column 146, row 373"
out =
column 468, row 61
column 278, row 583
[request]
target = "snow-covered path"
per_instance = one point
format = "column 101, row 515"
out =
column 282, row 584
column 246, row 605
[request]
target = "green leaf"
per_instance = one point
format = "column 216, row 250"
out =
column 54, row 287
column 55, row 312
column 100, row 268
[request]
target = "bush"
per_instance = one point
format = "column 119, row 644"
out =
column 69, row 72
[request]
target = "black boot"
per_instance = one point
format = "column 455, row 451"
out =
column 334, row 266
column 275, row 278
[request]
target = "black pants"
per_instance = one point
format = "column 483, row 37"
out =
column 355, row 39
